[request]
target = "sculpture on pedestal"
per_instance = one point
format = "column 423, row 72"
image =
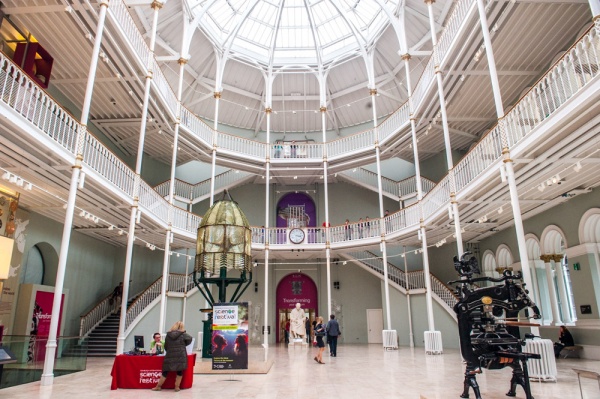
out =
column 297, row 317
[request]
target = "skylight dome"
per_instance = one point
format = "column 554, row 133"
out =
column 292, row 32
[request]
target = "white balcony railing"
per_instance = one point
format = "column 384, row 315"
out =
column 574, row 71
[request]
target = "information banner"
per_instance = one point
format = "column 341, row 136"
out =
column 230, row 336
column 40, row 324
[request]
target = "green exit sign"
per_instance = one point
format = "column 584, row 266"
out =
column 576, row 266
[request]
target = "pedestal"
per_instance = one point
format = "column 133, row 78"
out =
column 433, row 343
column 298, row 343
column 390, row 339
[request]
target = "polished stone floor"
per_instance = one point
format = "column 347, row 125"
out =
column 359, row 371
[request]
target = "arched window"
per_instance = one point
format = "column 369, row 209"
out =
column 34, row 267
column 541, row 296
column 489, row 264
column 554, row 243
column 504, row 258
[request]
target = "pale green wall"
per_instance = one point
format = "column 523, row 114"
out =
column 436, row 167
column 93, row 267
column 399, row 314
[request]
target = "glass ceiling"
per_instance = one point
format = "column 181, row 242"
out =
column 293, row 32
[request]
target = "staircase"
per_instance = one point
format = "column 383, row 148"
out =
column 102, row 341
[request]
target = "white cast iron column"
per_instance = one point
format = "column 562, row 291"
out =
column 48, row 371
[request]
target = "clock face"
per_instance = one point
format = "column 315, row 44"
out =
column 297, row 236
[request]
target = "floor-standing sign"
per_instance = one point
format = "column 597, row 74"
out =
column 230, row 336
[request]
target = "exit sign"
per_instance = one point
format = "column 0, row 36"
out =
column 576, row 266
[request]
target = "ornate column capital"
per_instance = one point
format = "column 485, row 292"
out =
column 182, row 61
column 217, row 95
column 557, row 257
column 156, row 5
column 405, row 57
column 323, row 109
column 268, row 110
column 547, row 258
column 372, row 92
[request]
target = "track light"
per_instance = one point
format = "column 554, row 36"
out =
column 82, row 213
column 20, row 182
column 541, row 187
column 29, row 187
column 12, row 179
column 576, row 168
column 500, row 210
column 111, row 227
column 6, row 175
column 121, row 232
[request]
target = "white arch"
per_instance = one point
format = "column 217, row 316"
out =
column 488, row 262
column 534, row 249
column 504, row 256
column 553, row 240
column 589, row 226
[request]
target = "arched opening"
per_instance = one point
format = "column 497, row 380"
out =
column 489, row 264
column 538, row 277
column 554, row 243
column 41, row 265
column 504, row 258
column 292, row 289
column 296, row 210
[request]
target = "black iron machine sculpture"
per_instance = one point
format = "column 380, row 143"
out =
column 223, row 258
column 488, row 324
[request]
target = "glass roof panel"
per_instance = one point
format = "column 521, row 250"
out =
column 304, row 31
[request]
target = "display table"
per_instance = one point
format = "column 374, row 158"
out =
column 143, row 372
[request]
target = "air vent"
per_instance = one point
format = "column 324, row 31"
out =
column 295, row 94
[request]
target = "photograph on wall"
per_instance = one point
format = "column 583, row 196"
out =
column 230, row 336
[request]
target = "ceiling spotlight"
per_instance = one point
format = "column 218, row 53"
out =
column 28, row 186
column 121, row 232
column 462, row 78
column 294, row 112
column 549, row 182
column 295, row 177
column 111, row 227
column 6, row 175
column 246, row 108
column 347, row 105
column 82, row 213
column 554, row 179
column 576, row 168
column 64, row 206
column 12, row 179
column 345, row 263
column 541, row 187
column 500, row 210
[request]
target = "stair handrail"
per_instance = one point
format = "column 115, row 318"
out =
column 153, row 291
column 89, row 320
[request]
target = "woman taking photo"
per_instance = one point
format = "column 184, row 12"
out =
column 176, row 358
column 320, row 333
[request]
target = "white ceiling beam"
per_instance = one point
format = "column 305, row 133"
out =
column 33, row 10
column 500, row 72
column 135, row 3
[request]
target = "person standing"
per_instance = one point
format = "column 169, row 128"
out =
column 333, row 331
column 117, row 297
column 176, row 358
column 320, row 333
column 307, row 327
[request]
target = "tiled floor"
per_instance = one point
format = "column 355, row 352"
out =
column 359, row 371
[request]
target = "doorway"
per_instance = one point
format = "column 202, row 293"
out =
column 292, row 289
column 284, row 317
column 375, row 326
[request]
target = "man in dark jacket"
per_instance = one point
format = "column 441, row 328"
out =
column 333, row 331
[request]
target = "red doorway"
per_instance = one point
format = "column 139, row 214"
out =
column 294, row 288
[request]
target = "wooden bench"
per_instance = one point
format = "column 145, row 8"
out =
column 571, row 351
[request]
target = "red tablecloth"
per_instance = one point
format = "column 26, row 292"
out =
column 143, row 372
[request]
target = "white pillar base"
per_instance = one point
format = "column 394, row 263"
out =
column 120, row 345
column 298, row 343
column 433, row 343
column 390, row 339
column 47, row 379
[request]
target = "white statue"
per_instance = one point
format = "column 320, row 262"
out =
column 297, row 327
